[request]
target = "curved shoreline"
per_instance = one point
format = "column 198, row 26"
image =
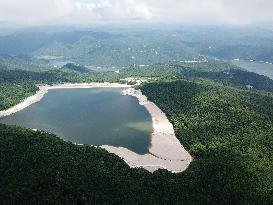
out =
column 43, row 89
column 25, row 103
column 165, row 152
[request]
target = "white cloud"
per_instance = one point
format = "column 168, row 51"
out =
column 34, row 11
column 112, row 10
column 86, row 11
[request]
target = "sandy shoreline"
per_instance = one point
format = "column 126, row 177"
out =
column 43, row 89
column 165, row 152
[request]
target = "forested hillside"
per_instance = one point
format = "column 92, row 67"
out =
column 15, row 85
column 143, row 45
column 229, row 133
column 196, row 122
column 11, row 94
column 218, row 71
column 23, row 63
column 227, row 130
column 38, row 168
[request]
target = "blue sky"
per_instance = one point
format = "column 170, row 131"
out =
column 39, row 12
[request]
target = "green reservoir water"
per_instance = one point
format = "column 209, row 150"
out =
column 96, row 116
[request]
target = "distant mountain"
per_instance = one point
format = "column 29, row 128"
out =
column 28, row 42
column 77, row 68
column 23, row 62
column 122, row 47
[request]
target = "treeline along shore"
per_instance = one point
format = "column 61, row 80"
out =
column 165, row 151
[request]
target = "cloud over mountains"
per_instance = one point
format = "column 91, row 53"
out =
column 87, row 11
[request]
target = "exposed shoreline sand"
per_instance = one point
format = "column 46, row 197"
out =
column 165, row 152
column 43, row 89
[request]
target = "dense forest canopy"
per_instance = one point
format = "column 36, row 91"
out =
column 13, row 82
column 226, row 129
column 222, row 114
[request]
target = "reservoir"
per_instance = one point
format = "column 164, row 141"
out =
column 95, row 116
column 261, row 68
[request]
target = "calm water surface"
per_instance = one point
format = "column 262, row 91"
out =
column 94, row 116
column 256, row 67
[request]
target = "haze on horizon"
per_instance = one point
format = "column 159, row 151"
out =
column 71, row 12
